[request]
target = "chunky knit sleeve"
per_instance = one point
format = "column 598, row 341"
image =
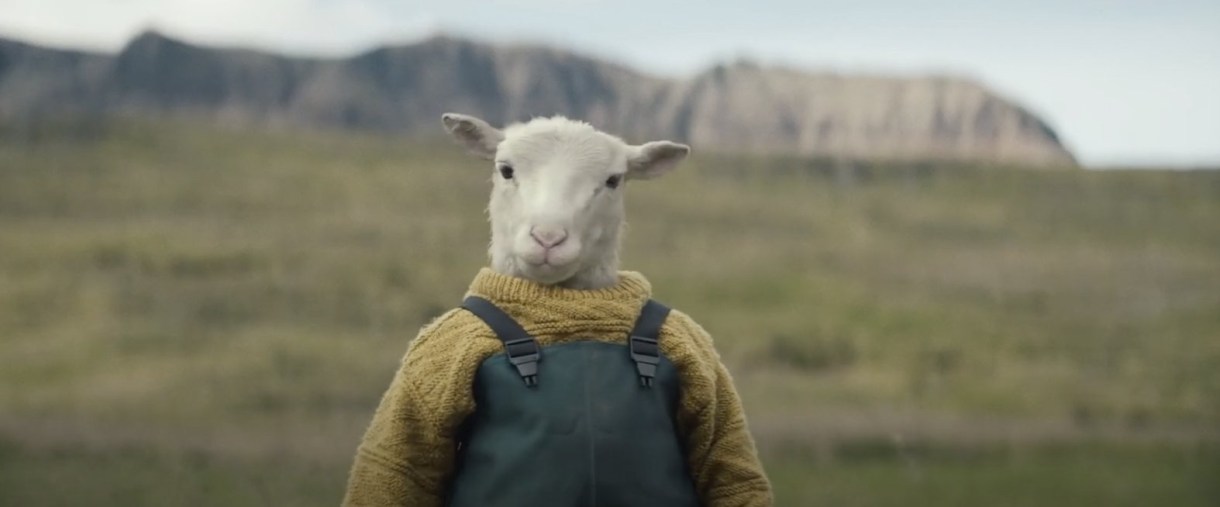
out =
column 721, row 454
column 407, row 454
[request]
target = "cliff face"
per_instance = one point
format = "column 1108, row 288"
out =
column 764, row 110
column 738, row 107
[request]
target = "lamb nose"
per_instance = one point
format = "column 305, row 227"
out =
column 549, row 237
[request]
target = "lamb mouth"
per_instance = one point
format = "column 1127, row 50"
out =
column 544, row 261
column 547, row 267
column 546, row 264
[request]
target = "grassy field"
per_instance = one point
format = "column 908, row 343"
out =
column 199, row 316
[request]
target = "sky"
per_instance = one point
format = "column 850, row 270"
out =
column 1123, row 82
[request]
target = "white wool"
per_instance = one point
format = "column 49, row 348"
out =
column 557, row 218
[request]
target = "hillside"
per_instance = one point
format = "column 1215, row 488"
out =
column 739, row 107
column 201, row 316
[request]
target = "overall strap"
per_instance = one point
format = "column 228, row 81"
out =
column 643, row 340
column 519, row 346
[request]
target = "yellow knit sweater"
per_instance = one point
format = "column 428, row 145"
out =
column 407, row 454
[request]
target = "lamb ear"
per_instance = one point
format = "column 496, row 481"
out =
column 650, row 160
column 479, row 137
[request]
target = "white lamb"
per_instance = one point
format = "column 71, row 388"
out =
column 557, row 203
column 559, row 381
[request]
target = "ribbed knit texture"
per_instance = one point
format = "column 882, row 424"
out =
column 407, row 454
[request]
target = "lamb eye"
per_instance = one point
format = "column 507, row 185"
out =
column 506, row 171
column 613, row 181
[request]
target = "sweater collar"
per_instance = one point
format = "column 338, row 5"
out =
column 631, row 288
column 549, row 312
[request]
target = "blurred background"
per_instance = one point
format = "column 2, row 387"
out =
column 955, row 253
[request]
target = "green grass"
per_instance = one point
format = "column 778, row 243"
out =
column 197, row 304
column 870, row 475
column 137, row 477
column 1073, row 475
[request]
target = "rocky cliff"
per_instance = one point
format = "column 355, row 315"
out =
column 735, row 107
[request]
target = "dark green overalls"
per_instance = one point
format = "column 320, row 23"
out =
column 595, row 429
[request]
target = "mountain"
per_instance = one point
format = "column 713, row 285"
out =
column 734, row 107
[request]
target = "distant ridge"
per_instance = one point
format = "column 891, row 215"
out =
column 740, row 107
